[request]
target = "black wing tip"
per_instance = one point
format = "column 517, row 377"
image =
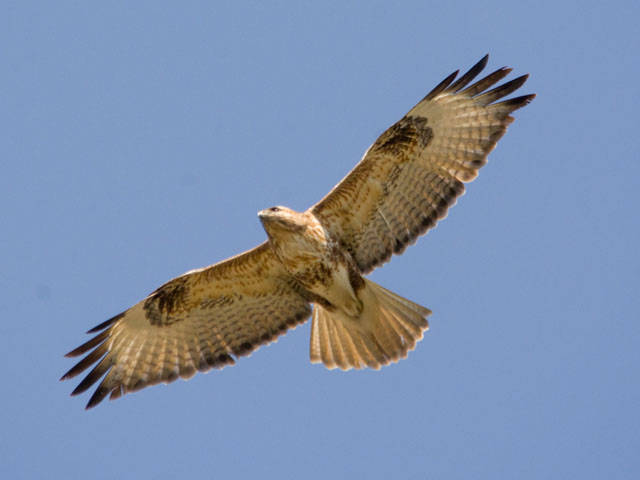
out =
column 501, row 91
column 76, row 351
column 448, row 84
column 481, row 85
column 519, row 102
column 519, row 81
column 93, row 402
column 472, row 73
column 88, row 345
column 480, row 64
column 441, row 86
column 106, row 323
column 96, row 398
column 79, row 389
column 97, row 339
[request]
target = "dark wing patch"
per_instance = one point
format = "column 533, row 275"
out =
column 169, row 302
column 404, row 136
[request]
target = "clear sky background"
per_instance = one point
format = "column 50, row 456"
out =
column 139, row 139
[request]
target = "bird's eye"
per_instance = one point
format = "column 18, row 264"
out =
column 274, row 209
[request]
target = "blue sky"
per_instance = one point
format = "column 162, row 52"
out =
column 139, row 139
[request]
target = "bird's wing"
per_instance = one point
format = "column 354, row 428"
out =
column 195, row 322
column 414, row 171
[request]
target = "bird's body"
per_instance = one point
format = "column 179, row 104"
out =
column 311, row 256
column 405, row 183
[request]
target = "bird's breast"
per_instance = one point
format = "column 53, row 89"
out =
column 325, row 270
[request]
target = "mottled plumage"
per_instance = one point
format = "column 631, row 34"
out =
column 404, row 184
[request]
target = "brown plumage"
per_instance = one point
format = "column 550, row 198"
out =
column 404, row 184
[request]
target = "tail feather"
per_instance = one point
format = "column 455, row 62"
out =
column 386, row 330
column 335, row 339
column 390, row 340
column 348, row 347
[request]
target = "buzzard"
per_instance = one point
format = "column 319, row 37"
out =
column 404, row 184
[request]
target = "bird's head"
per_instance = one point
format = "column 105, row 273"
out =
column 281, row 219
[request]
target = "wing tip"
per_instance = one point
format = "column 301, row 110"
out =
column 448, row 85
column 88, row 345
column 518, row 102
column 469, row 76
column 442, row 86
column 96, row 398
column 106, row 323
column 501, row 91
column 519, row 81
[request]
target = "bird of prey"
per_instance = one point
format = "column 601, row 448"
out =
column 313, row 262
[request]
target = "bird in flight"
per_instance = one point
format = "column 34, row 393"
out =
column 313, row 262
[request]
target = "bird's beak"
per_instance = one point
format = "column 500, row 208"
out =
column 266, row 219
column 264, row 216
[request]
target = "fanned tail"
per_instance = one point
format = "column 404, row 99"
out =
column 386, row 330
